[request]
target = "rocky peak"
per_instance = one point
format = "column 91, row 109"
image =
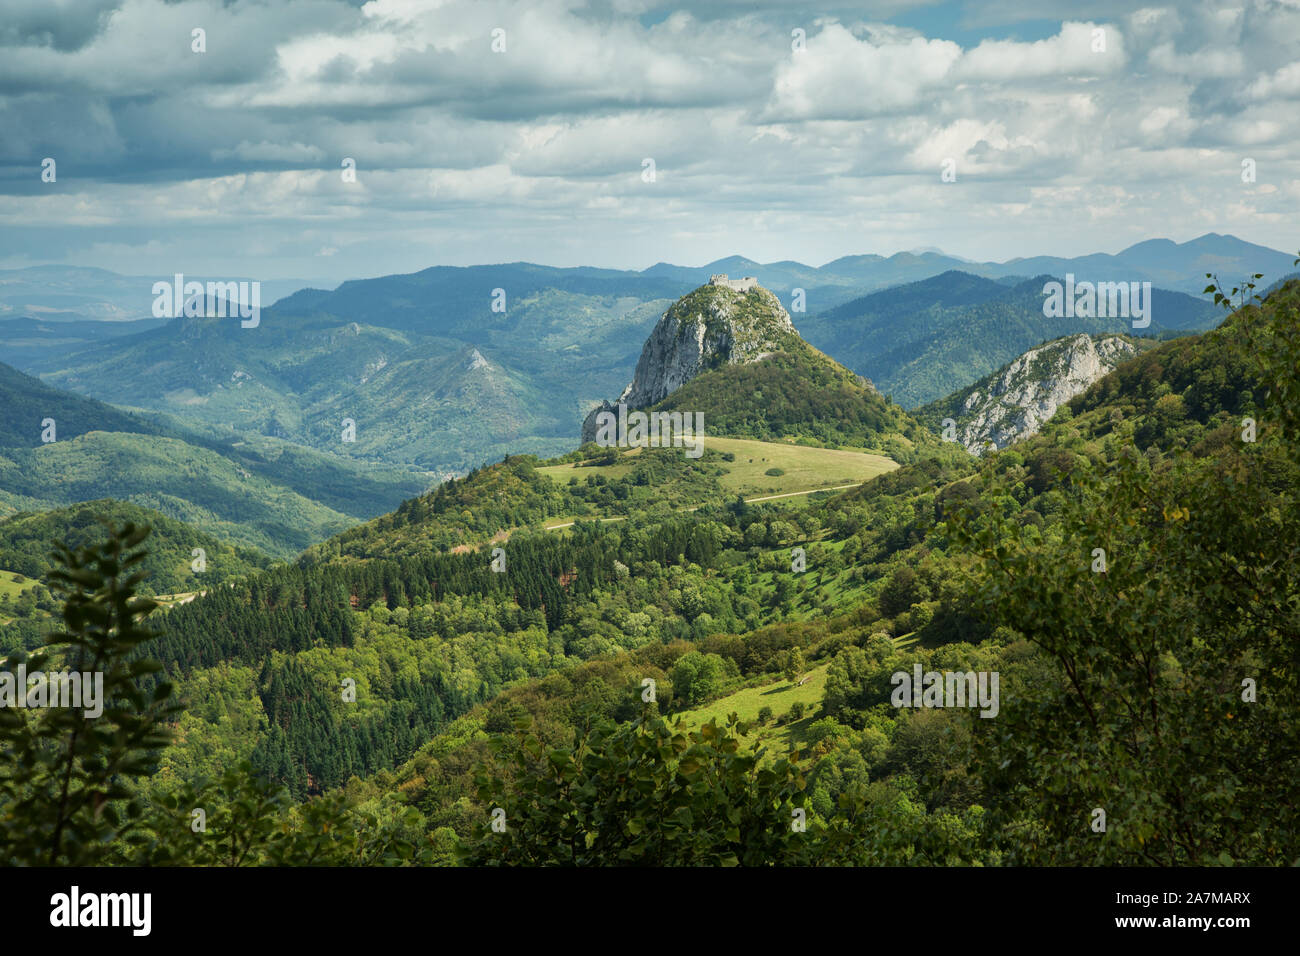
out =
column 713, row 326
column 1015, row 401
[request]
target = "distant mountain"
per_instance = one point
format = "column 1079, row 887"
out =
column 1163, row 262
column 28, row 341
column 1171, row 265
column 53, row 292
column 58, row 448
column 1016, row 400
column 924, row 340
column 429, row 375
column 56, row 292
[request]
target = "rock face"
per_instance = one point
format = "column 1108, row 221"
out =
column 1015, row 401
column 705, row 329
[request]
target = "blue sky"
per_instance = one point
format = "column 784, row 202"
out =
column 229, row 161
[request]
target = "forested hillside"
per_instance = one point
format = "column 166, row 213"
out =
column 58, row 448
column 799, row 394
column 182, row 560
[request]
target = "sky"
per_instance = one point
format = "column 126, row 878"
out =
column 486, row 131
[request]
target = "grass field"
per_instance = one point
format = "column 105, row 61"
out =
column 806, row 469
column 779, row 695
column 14, row 588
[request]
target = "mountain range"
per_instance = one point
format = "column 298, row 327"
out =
column 1162, row 262
column 444, row 369
column 339, row 403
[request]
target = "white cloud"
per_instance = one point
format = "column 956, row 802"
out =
column 1284, row 83
column 839, row 75
column 1080, row 49
column 468, row 155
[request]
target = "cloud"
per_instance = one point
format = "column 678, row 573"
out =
column 839, row 75
column 230, row 159
column 1080, row 49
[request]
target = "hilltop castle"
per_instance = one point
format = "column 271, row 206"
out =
column 738, row 285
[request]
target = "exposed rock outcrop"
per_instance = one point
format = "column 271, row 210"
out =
column 705, row 329
column 1015, row 401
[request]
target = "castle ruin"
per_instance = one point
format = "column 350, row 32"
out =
column 738, row 285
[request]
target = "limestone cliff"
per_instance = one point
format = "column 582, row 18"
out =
column 706, row 329
column 1015, row 401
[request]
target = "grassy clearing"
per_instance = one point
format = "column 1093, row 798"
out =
column 562, row 473
column 13, row 588
column 805, row 469
column 183, row 597
column 780, row 695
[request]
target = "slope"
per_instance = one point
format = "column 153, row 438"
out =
column 921, row 342
column 26, row 539
column 1013, row 402
column 437, row 371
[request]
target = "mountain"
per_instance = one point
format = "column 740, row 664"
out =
column 436, row 370
column 733, row 355
column 1015, row 401
column 924, row 340
column 31, row 340
column 69, row 293
column 76, row 292
column 1172, row 265
column 1163, row 262
column 58, row 448
column 712, row 326
column 28, row 401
